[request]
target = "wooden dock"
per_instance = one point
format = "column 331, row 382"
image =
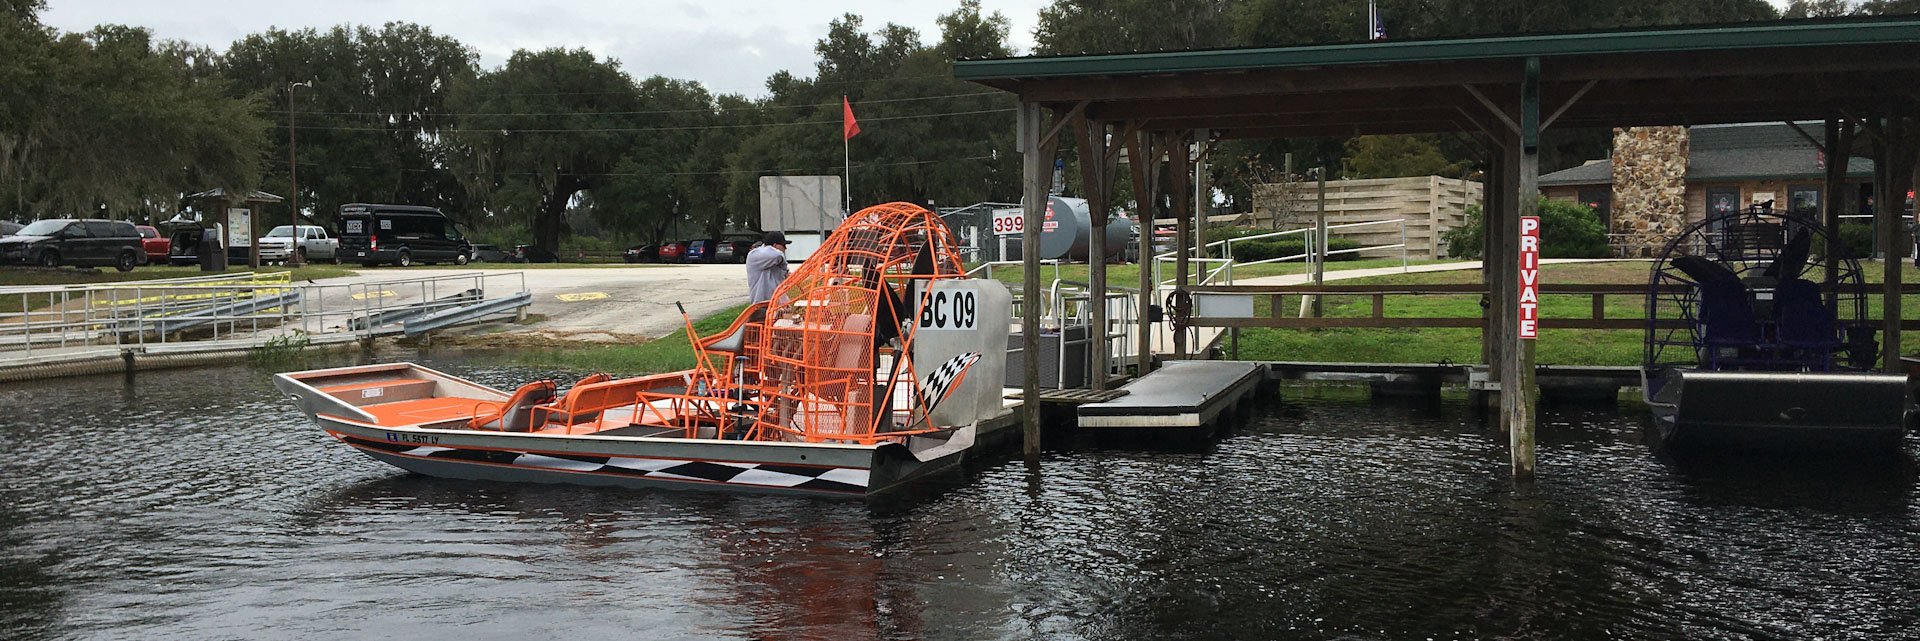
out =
column 1180, row 395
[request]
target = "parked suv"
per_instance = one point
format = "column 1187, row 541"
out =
column 64, row 241
column 314, row 244
column 400, row 234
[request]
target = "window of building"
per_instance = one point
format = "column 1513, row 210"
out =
column 1601, row 200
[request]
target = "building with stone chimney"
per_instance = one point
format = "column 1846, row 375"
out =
column 1658, row 180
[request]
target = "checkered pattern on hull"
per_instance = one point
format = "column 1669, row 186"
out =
column 942, row 379
column 818, row 479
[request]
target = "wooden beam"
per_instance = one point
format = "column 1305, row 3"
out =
column 1493, row 108
column 1060, row 122
column 1569, row 103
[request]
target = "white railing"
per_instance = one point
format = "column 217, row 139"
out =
column 225, row 309
column 1068, row 304
column 1223, row 272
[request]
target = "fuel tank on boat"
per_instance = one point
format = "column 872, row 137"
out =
column 1782, row 410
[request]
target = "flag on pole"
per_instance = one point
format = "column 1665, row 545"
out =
column 848, row 125
column 1376, row 29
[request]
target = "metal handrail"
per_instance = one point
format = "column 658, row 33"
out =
column 137, row 313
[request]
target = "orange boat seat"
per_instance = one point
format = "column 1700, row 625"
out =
column 515, row 415
column 556, row 411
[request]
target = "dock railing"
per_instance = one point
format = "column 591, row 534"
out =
column 235, row 310
column 1068, row 304
column 1272, row 314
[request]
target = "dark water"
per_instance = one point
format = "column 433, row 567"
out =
column 196, row 505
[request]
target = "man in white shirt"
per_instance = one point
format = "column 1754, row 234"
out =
column 766, row 267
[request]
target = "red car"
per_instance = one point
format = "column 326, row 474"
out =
column 673, row 253
column 156, row 245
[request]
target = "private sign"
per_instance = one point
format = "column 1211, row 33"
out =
column 1529, row 276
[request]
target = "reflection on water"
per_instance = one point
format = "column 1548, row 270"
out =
column 196, row 504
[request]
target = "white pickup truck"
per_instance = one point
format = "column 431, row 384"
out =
column 315, row 244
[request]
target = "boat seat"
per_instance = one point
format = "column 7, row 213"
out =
column 381, row 391
column 1805, row 323
column 516, row 414
column 557, row 411
column 735, row 342
column 1727, row 322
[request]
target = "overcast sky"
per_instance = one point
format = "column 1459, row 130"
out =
column 728, row 45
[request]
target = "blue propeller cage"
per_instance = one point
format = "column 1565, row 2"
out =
column 1747, row 244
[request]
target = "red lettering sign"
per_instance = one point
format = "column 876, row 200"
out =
column 1529, row 277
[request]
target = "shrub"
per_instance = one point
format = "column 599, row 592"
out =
column 1858, row 237
column 1567, row 230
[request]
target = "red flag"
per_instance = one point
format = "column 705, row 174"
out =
column 848, row 125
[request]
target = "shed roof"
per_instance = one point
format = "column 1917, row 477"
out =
column 1746, row 151
column 255, row 196
column 1747, row 72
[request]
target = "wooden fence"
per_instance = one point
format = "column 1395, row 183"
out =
column 1431, row 205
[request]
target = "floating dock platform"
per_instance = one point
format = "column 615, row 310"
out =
column 1180, row 395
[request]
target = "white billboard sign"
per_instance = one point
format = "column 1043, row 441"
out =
column 1009, row 222
column 801, row 203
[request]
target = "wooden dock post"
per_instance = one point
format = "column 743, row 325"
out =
column 1033, row 197
column 1520, row 402
column 1180, row 173
column 1096, row 179
column 1893, row 177
column 1143, row 161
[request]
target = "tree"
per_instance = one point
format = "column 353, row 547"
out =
column 924, row 136
column 1397, row 156
column 108, row 122
column 542, row 130
column 374, row 125
column 1817, row 9
column 1107, row 26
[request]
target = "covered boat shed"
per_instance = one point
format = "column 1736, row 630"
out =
column 1860, row 76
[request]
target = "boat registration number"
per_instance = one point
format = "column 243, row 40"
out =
column 426, row 439
column 950, row 309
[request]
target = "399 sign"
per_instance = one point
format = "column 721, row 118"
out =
column 1009, row 224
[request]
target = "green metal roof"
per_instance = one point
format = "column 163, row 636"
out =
column 1798, row 33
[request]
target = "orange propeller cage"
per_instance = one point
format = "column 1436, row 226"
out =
column 821, row 351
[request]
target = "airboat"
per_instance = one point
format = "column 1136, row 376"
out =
column 852, row 380
column 1757, row 337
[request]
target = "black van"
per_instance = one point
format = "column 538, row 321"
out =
column 400, row 234
column 83, row 243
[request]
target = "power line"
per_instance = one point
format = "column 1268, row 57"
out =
column 816, row 82
column 644, row 129
column 660, row 111
column 786, row 170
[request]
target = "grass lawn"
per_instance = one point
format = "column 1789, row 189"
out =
column 1128, row 275
column 1555, row 346
column 665, row 354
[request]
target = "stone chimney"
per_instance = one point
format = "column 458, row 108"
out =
column 1649, row 187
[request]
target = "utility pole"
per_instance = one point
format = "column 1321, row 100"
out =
column 293, row 175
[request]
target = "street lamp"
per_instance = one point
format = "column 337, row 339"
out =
column 293, row 175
